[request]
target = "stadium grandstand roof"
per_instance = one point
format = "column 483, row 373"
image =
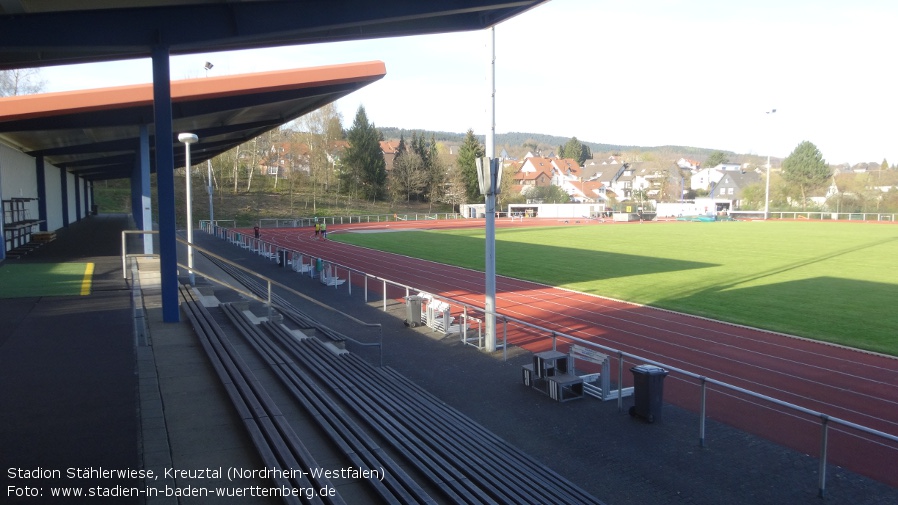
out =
column 96, row 133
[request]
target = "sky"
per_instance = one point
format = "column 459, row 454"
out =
column 698, row 73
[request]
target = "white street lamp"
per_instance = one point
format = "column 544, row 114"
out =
column 187, row 139
column 767, row 189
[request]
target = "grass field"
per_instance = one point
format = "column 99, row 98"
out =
column 829, row 281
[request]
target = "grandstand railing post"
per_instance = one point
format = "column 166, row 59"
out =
column 504, row 339
column 701, row 418
column 824, row 436
column 620, row 381
column 366, row 288
column 269, row 299
column 124, row 253
column 464, row 324
column 385, row 295
column 349, row 281
column 554, row 341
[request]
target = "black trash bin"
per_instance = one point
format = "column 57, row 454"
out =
column 648, row 392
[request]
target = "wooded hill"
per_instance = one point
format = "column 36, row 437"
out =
column 517, row 139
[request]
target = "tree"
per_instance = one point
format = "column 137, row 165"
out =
column 716, row 158
column 548, row 194
column 317, row 134
column 407, row 177
column 436, row 174
column 575, row 150
column 21, row 81
column 470, row 150
column 365, row 167
column 805, row 170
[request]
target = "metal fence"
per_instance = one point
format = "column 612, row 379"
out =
column 814, row 216
column 686, row 383
column 301, row 222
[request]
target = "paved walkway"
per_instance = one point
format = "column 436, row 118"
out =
column 80, row 390
column 68, row 397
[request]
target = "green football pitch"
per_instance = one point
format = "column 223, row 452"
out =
column 836, row 282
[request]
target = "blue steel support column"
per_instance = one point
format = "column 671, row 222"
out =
column 145, row 203
column 64, row 196
column 41, row 192
column 165, row 185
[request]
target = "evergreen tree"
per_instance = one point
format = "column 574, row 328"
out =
column 366, row 169
column 572, row 149
column 805, row 169
column 716, row 158
column 436, row 173
column 401, row 148
column 466, row 162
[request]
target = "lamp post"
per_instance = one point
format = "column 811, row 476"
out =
column 187, row 139
column 208, row 66
column 767, row 185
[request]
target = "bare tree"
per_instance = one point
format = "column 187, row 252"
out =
column 407, row 177
column 21, row 81
column 319, row 131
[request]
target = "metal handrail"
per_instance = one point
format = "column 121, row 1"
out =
column 271, row 282
column 125, row 255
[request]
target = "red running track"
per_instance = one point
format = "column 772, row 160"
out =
column 856, row 386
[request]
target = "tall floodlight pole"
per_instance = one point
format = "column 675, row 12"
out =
column 491, row 176
column 187, row 139
column 767, row 185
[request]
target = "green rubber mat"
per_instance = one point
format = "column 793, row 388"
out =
column 45, row 279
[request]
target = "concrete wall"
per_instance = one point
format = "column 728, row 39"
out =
column 17, row 177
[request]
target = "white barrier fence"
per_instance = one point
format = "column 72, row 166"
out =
column 814, row 216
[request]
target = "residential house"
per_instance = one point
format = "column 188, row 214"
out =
column 733, row 183
column 586, row 191
column 533, row 172
column 390, row 148
column 566, row 169
column 282, row 158
column 688, row 164
column 705, row 178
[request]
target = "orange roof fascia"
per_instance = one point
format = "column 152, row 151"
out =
column 69, row 102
